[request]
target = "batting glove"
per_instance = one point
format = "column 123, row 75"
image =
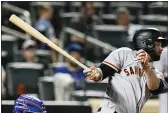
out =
column 94, row 74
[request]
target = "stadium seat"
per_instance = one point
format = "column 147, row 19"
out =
column 111, row 18
column 112, row 34
column 67, row 17
column 108, row 18
column 135, row 8
column 97, row 86
column 43, row 55
column 4, row 59
column 9, row 46
column 85, row 95
column 99, row 7
column 163, row 29
column 46, row 88
column 154, row 19
column 23, row 77
column 92, row 90
column 59, row 64
column 158, row 8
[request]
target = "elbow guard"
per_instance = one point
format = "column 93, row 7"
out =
column 106, row 70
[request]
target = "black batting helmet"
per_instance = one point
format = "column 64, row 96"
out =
column 145, row 38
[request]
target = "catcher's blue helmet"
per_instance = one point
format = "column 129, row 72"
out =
column 28, row 104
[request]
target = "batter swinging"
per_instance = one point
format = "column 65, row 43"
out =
column 134, row 78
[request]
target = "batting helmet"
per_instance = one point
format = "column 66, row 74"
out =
column 145, row 38
column 28, row 104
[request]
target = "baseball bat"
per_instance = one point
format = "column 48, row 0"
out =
column 36, row 34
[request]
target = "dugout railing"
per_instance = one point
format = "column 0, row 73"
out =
column 67, row 30
column 24, row 13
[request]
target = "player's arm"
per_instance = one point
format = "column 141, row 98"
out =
column 108, row 67
column 153, row 81
column 99, row 73
column 162, row 86
column 155, row 84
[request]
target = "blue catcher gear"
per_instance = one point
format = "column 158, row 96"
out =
column 28, row 104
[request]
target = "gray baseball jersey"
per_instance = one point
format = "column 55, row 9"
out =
column 128, row 91
column 162, row 66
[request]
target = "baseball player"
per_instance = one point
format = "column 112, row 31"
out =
column 28, row 104
column 162, row 66
column 133, row 76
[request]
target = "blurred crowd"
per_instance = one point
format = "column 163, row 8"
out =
column 25, row 61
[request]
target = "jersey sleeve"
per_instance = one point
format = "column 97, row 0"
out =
column 163, row 86
column 115, row 59
column 158, row 73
